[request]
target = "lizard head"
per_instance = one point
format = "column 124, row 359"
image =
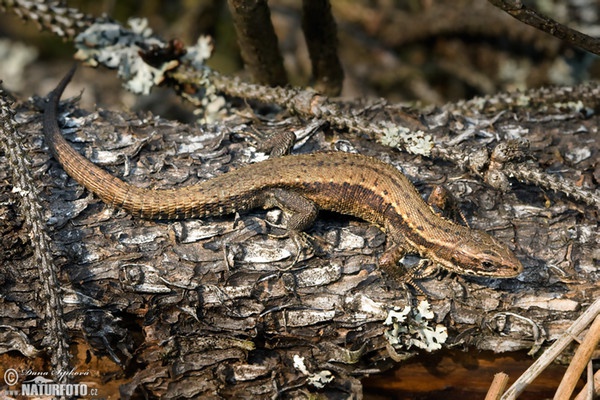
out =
column 479, row 254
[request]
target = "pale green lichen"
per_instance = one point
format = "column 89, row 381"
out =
column 573, row 106
column 523, row 100
column 110, row 44
column 15, row 57
column 415, row 142
column 318, row 379
column 212, row 104
column 197, row 54
column 410, row 327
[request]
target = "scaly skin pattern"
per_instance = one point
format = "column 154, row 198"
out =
column 351, row 184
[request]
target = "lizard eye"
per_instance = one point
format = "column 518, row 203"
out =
column 487, row 265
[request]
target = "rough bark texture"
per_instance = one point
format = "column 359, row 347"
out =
column 191, row 308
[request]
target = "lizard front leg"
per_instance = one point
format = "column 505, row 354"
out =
column 389, row 260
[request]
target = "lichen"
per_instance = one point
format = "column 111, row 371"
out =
column 415, row 142
column 410, row 327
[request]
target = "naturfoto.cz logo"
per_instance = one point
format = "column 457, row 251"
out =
column 39, row 385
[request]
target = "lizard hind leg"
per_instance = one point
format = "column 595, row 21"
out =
column 445, row 204
column 390, row 259
column 303, row 213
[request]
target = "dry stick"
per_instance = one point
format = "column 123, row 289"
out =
column 528, row 173
column 257, row 41
column 592, row 391
column 519, row 11
column 580, row 360
column 497, row 387
column 553, row 351
column 590, row 379
column 54, row 16
column 321, row 39
column 589, row 391
column 26, row 186
column 445, row 19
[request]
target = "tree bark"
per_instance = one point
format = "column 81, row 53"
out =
column 193, row 308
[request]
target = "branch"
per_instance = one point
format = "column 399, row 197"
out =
column 519, row 11
column 321, row 38
column 257, row 41
column 28, row 188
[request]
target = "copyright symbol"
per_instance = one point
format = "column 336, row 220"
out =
column 11, row 376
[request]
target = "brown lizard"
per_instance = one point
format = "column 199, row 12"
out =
column 302, row 185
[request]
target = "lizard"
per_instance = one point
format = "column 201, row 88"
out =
column 301, row 185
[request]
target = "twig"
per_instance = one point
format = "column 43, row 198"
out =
column 321, row 38
column 310, row 104
column 578, row 363
column 25, row 185
column 553, row 351
column 446, row 19
column 591, row 389
column 525, row 173
column 54, row 16
column 497, row 387
column 257, row 41
column 519, row 11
